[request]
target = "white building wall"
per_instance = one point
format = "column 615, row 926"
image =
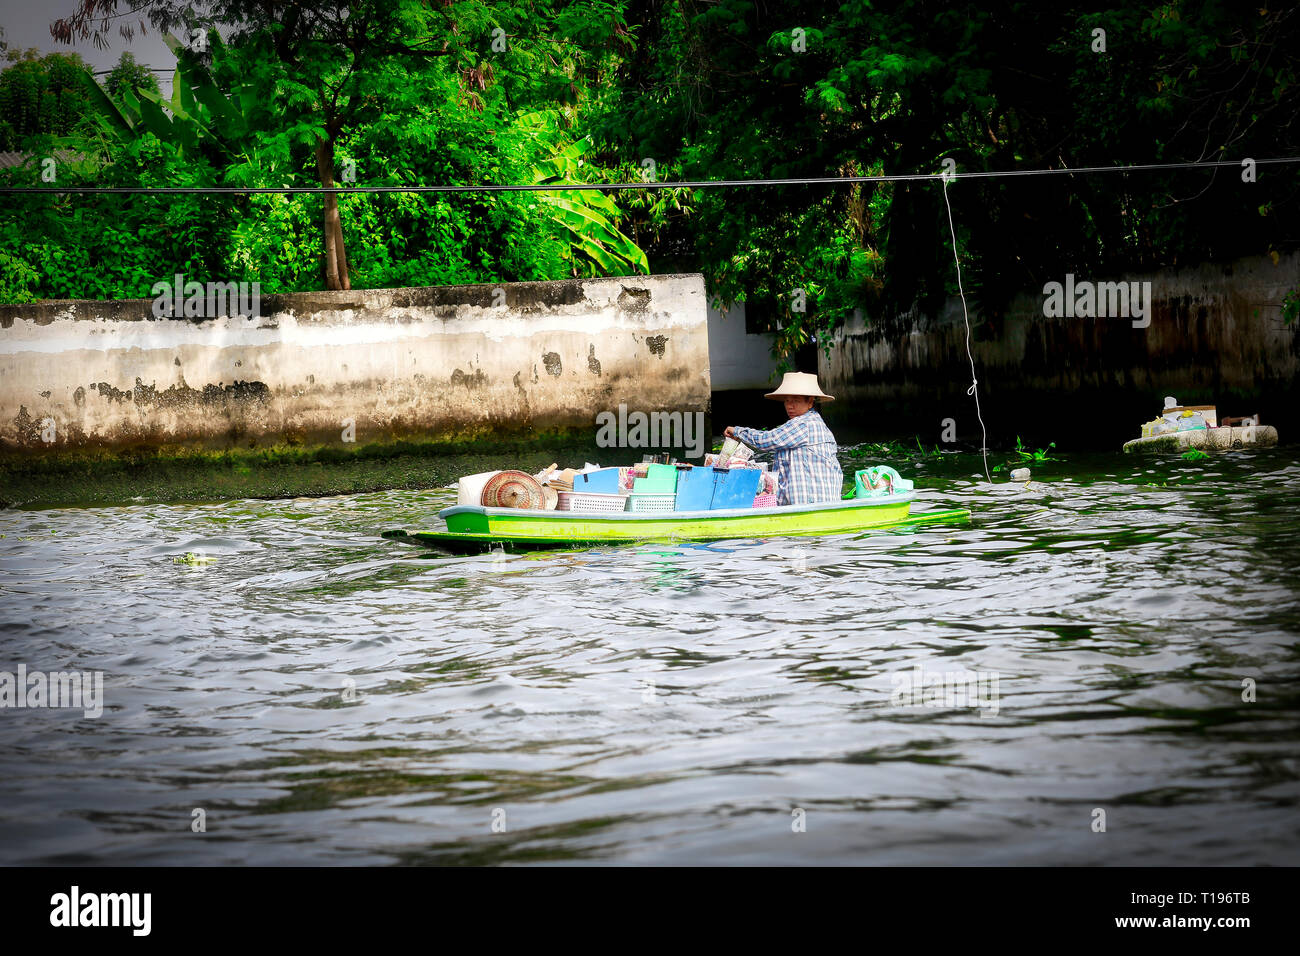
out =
column 738, row 360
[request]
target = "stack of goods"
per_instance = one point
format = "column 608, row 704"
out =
column 558, row 478
column 556, row 481
column 646, row 487
column 517, row 489
column 733, row 454
column 1181, row 418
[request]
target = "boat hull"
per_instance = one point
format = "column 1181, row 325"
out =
column 475, row 528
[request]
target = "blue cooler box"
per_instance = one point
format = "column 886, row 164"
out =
column 694, row 489
column 601, row 482
column 735, row 487
column 712, row 489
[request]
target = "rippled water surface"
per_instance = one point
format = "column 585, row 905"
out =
column 325, row 695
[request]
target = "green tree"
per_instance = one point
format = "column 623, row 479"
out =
column 40, row 96
column 129, row 76
column 334, row 67
column 513, row 117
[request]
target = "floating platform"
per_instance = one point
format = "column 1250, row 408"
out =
column 1209, row 439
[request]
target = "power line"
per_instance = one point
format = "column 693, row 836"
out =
column 151, row 69
column 690, row 184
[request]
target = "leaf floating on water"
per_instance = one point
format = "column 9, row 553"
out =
column 193, row 560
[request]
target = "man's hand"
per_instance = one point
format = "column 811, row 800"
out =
column 730, row 432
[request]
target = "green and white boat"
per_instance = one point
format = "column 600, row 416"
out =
column 474, row 528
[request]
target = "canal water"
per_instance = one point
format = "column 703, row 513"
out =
column 1118, row 646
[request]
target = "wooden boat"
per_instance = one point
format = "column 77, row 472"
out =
column 473, row 528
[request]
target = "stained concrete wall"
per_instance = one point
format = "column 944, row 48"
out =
column 447, row 362
column 1216, row 337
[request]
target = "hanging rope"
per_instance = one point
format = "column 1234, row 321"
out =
column 974, row 382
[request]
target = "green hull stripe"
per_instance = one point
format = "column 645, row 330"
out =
column 621, row 526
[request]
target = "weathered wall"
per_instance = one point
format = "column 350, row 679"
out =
column 447, row 362
column 1216, row 336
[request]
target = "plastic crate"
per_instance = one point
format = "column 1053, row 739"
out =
column 580, row 501
column 765, row 501
column 652, row 503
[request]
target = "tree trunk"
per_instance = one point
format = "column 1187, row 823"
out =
column 336, row 261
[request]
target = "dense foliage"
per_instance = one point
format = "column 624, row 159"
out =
column 40, row 95
column 732, row 89
column 393, row 92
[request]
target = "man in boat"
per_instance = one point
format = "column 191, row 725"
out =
column 803, row 448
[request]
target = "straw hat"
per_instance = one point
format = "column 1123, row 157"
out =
column 800, row 383
column 513, row 489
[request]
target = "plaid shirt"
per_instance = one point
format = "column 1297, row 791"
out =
column 803, row 458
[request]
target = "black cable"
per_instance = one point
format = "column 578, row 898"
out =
column 558, row 187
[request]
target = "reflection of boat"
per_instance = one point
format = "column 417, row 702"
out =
column 476, row 528
column 1223, row 437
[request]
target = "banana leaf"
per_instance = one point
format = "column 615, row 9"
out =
column 156, row 121
column 595, row 236
column 203, row 88
column 115, row 117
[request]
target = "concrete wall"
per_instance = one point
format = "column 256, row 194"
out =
column 1216, row 337
column 447, row 362
column 738, row 359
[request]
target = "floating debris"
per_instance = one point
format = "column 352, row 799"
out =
column 1193, row 427
column 193, row 560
